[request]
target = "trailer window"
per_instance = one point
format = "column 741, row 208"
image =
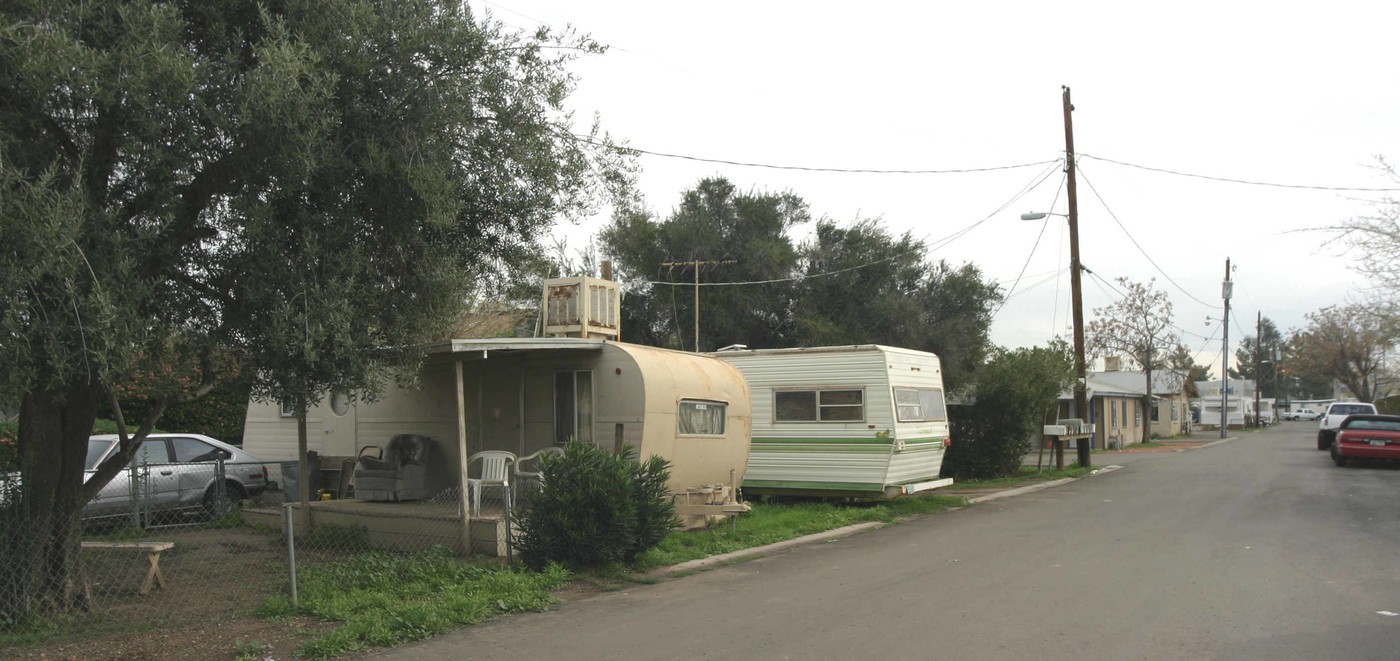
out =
column 818, row 405
column 919, row 404
column 700, row 418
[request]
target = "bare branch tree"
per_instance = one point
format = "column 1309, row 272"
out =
column 1138, row 326
column 1351, row 343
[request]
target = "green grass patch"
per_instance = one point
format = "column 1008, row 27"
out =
column 771, row 523
column 1026, row 476
column 386, row 599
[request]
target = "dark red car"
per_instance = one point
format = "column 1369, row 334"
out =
column 1367, row 437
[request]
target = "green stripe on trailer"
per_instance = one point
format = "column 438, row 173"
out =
column 826, row 486
column 827, row 441
column 776, row 448
column 922, row 441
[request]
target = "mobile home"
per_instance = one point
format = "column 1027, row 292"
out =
column 861, row 420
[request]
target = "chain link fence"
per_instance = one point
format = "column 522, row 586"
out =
column 172, row 547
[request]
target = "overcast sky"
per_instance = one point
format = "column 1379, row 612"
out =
column 1287, row 93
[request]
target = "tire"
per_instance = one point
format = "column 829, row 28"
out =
column 1337, row 457
column 1323, row 442
column 217, row 508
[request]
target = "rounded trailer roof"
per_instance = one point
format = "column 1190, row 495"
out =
column 687, row 374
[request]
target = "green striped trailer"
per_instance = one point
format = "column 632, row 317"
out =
column 860, row 421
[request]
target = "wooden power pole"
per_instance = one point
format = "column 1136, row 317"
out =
column 1258, row 364
column 1081, row 406
column 696, row 263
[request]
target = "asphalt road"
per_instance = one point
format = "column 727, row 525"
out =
column 1258, row 548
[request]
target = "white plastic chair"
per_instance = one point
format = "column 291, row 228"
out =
column 524, row 476
column 495, row 472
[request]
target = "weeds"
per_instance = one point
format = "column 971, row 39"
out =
column 387, row 599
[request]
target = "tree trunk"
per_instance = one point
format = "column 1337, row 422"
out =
column 40, row 569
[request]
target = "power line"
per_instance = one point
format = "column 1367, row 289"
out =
column 1154, row 263
column 802, row 168
column 1027, row 264
column 1122, row 295
column 936, row 245
column 1239, row 181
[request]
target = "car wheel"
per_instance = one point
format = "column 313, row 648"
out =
column 1337, row 457
column 1322, row 442
column 216, row 506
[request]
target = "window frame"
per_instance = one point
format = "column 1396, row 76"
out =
column 723, row 419
column 894, row 398
column 574, row 406
column 818, row 406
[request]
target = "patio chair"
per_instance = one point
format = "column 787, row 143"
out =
column 402, row 476
column 495, row 472
column 523, row 477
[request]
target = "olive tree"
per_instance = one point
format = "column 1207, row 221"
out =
column 311, row 187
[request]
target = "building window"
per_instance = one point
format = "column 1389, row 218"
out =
column 340, row 402
column 286, row 410
column 573, row 406
column 1113, row 414
column 700, row 418
column 919, row 405
column 818, row 405
column 1137, row 414
column 1176, row 415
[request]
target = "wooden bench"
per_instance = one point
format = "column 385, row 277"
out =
column 153, row 551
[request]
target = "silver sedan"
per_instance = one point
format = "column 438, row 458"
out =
column 174, row 473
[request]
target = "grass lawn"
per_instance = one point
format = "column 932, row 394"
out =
column 769, row 523
column 1027, row 476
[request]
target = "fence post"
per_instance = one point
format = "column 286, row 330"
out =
column 291, row 553
column 219, row 485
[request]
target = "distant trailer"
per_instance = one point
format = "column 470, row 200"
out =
column 857, row 421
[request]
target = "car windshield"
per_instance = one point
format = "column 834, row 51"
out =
column 1379, row 425
column 96, row 449
column 1350, row 409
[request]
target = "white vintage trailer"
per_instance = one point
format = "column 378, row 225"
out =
column 862, row 420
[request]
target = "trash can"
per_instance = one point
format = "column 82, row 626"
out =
column 291, row 479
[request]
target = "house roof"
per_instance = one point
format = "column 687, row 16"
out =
column 1131, row 384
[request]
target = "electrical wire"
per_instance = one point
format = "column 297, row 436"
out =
column 1238, row 181
column 1154, row 263
column 801, row 168
column 1011, row 292
column 1121, row 295
column 928, row 248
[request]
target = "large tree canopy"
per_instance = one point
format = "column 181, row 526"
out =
column 297, row 183
column 1349, row 343
column 851, row 284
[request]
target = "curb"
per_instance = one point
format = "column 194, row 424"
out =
column 836, row 533
column 1227, row 439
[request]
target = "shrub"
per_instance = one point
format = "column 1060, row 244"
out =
column 1012, row 392
column 595, row 508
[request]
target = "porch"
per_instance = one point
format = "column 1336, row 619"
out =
column 398, row 526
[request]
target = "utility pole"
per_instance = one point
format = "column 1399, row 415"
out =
column 1258, row 363
column 1081, row 406
column 1226, row 289
column 696, row 263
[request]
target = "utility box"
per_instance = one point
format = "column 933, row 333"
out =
column 581, row 307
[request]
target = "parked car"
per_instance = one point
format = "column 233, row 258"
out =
column 1333, row 416
column 1367, row 437
column 1302, row 414
column 174, row 474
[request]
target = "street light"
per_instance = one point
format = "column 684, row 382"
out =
column 1081, row 406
